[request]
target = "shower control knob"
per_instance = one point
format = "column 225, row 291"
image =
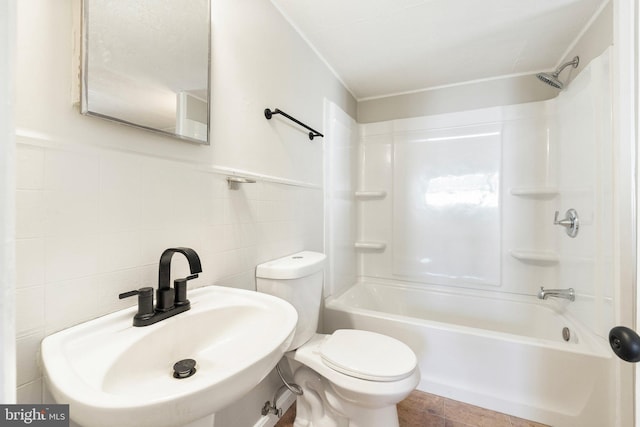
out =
column 625, row 343
column 571, row 222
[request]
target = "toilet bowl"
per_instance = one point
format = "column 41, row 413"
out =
column 362, row 388
column 349, row 378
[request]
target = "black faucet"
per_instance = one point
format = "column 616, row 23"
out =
column 170, row 301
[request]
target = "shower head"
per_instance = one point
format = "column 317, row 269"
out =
column 552, row 78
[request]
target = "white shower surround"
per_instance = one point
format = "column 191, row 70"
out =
column 555, row 155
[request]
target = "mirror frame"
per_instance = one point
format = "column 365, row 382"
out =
column 84, row 81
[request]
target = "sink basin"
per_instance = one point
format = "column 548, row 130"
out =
column 112, row 373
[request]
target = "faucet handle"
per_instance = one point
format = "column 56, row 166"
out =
column 143, row 292
column 128, row 294
column 571, row 222
column 145, row 301
column 180, row 287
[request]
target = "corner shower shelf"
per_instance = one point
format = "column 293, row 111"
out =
column 375, row 246
column 536, row 257
column 370, row 195
column 535, row 192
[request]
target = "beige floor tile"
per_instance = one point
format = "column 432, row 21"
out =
column 421, row 420
column 519, row 422
column 473, row 415
column 409, row 417
column 420, row 401
column 449, row 423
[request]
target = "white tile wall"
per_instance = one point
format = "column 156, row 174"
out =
column 93, row 223
column 94, row 218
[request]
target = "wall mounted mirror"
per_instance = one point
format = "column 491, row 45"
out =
column 146, row 64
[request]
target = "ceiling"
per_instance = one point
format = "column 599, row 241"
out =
column 385, row 47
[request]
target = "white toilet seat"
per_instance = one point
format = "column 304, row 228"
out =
column 367, row 355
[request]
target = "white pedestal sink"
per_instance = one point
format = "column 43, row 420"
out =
column 114, row 374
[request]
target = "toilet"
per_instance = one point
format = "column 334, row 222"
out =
column 348, row 378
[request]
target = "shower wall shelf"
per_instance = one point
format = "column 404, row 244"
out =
column 537, row 257
column 535, row 192
column 372, row 246
column 370, row 195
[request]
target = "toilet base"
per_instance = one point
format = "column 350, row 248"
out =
column 321, row 406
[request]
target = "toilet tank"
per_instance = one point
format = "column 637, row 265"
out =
column 297, row 279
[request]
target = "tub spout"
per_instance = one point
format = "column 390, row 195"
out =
column 557, row 293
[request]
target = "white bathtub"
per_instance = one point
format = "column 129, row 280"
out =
column 507, row 355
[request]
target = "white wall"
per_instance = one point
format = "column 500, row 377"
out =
column 7, row 204
column 97, row 202
column 259, row 61
column 459, row 97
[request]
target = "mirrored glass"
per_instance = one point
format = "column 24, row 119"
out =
column 146, row 64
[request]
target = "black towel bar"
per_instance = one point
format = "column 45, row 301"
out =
column 268, row 114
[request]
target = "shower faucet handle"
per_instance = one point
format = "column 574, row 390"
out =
column 571, row 222
column 564, row 222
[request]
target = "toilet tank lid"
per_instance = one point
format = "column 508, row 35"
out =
column 294, row 266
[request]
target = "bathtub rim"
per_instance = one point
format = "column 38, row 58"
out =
column 588, row 343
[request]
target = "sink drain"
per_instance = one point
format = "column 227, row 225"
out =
column 184, row 368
